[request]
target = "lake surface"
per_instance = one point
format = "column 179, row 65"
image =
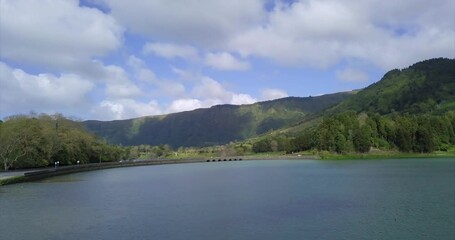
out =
column 273, row 199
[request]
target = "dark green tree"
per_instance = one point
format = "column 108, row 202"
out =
column 362, row 142
column 262, row 146
column 405, row 133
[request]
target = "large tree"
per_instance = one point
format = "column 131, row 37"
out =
column 37, row 141
column 19, row 136
column 361, row 139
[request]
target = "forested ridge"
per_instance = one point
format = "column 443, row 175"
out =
column 408, row 110
column 426, row 87
column 351, row 132
column 217, row 125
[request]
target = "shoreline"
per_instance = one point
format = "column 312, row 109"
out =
column 39, row 173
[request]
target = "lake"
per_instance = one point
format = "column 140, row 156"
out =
column 270, row 199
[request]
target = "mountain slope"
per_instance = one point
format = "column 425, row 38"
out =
column 216, row 125
column 427, row 86
column 412, row 110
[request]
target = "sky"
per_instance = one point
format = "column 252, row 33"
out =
column 116, row 59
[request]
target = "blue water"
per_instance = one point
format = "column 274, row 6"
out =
column 306, row 199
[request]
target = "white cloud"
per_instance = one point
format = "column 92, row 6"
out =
column 169, row 50
column 210, row 89
column 24, row 92
column 308, row 33
column 142, row 72
column 146, row 75
column 186, row 104
column 352, row 75
column 55, row 34
column 113, row 74
column 239, row 99
column 271, row 94
column 225, row 61
column 187, row 75
column 305, row 33
column 171, row 88
column 117, row 83
column 135, row 62
column 123, row 90
column 168, row 88
column 322, row 33
column 125, row 108
column 196, row 22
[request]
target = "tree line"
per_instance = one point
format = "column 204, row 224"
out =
column 33, row 141
column 30, row 141
column 351, row 132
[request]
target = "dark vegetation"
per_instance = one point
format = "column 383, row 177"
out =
column 351, row 132
column 427, row 87
column 29, row 141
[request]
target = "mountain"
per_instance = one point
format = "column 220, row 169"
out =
column 212, row 126
column 425, row 87
column 409, row 110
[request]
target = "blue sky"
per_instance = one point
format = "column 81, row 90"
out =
column 114, row 59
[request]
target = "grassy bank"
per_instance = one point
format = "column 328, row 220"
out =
column 384, row 155
column 12, row 180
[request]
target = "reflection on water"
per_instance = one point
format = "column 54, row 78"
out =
column 376, row 199
column 60, row 179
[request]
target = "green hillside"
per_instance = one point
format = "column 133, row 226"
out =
column 211, row 126
column 409, row 110
column 425, row 87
